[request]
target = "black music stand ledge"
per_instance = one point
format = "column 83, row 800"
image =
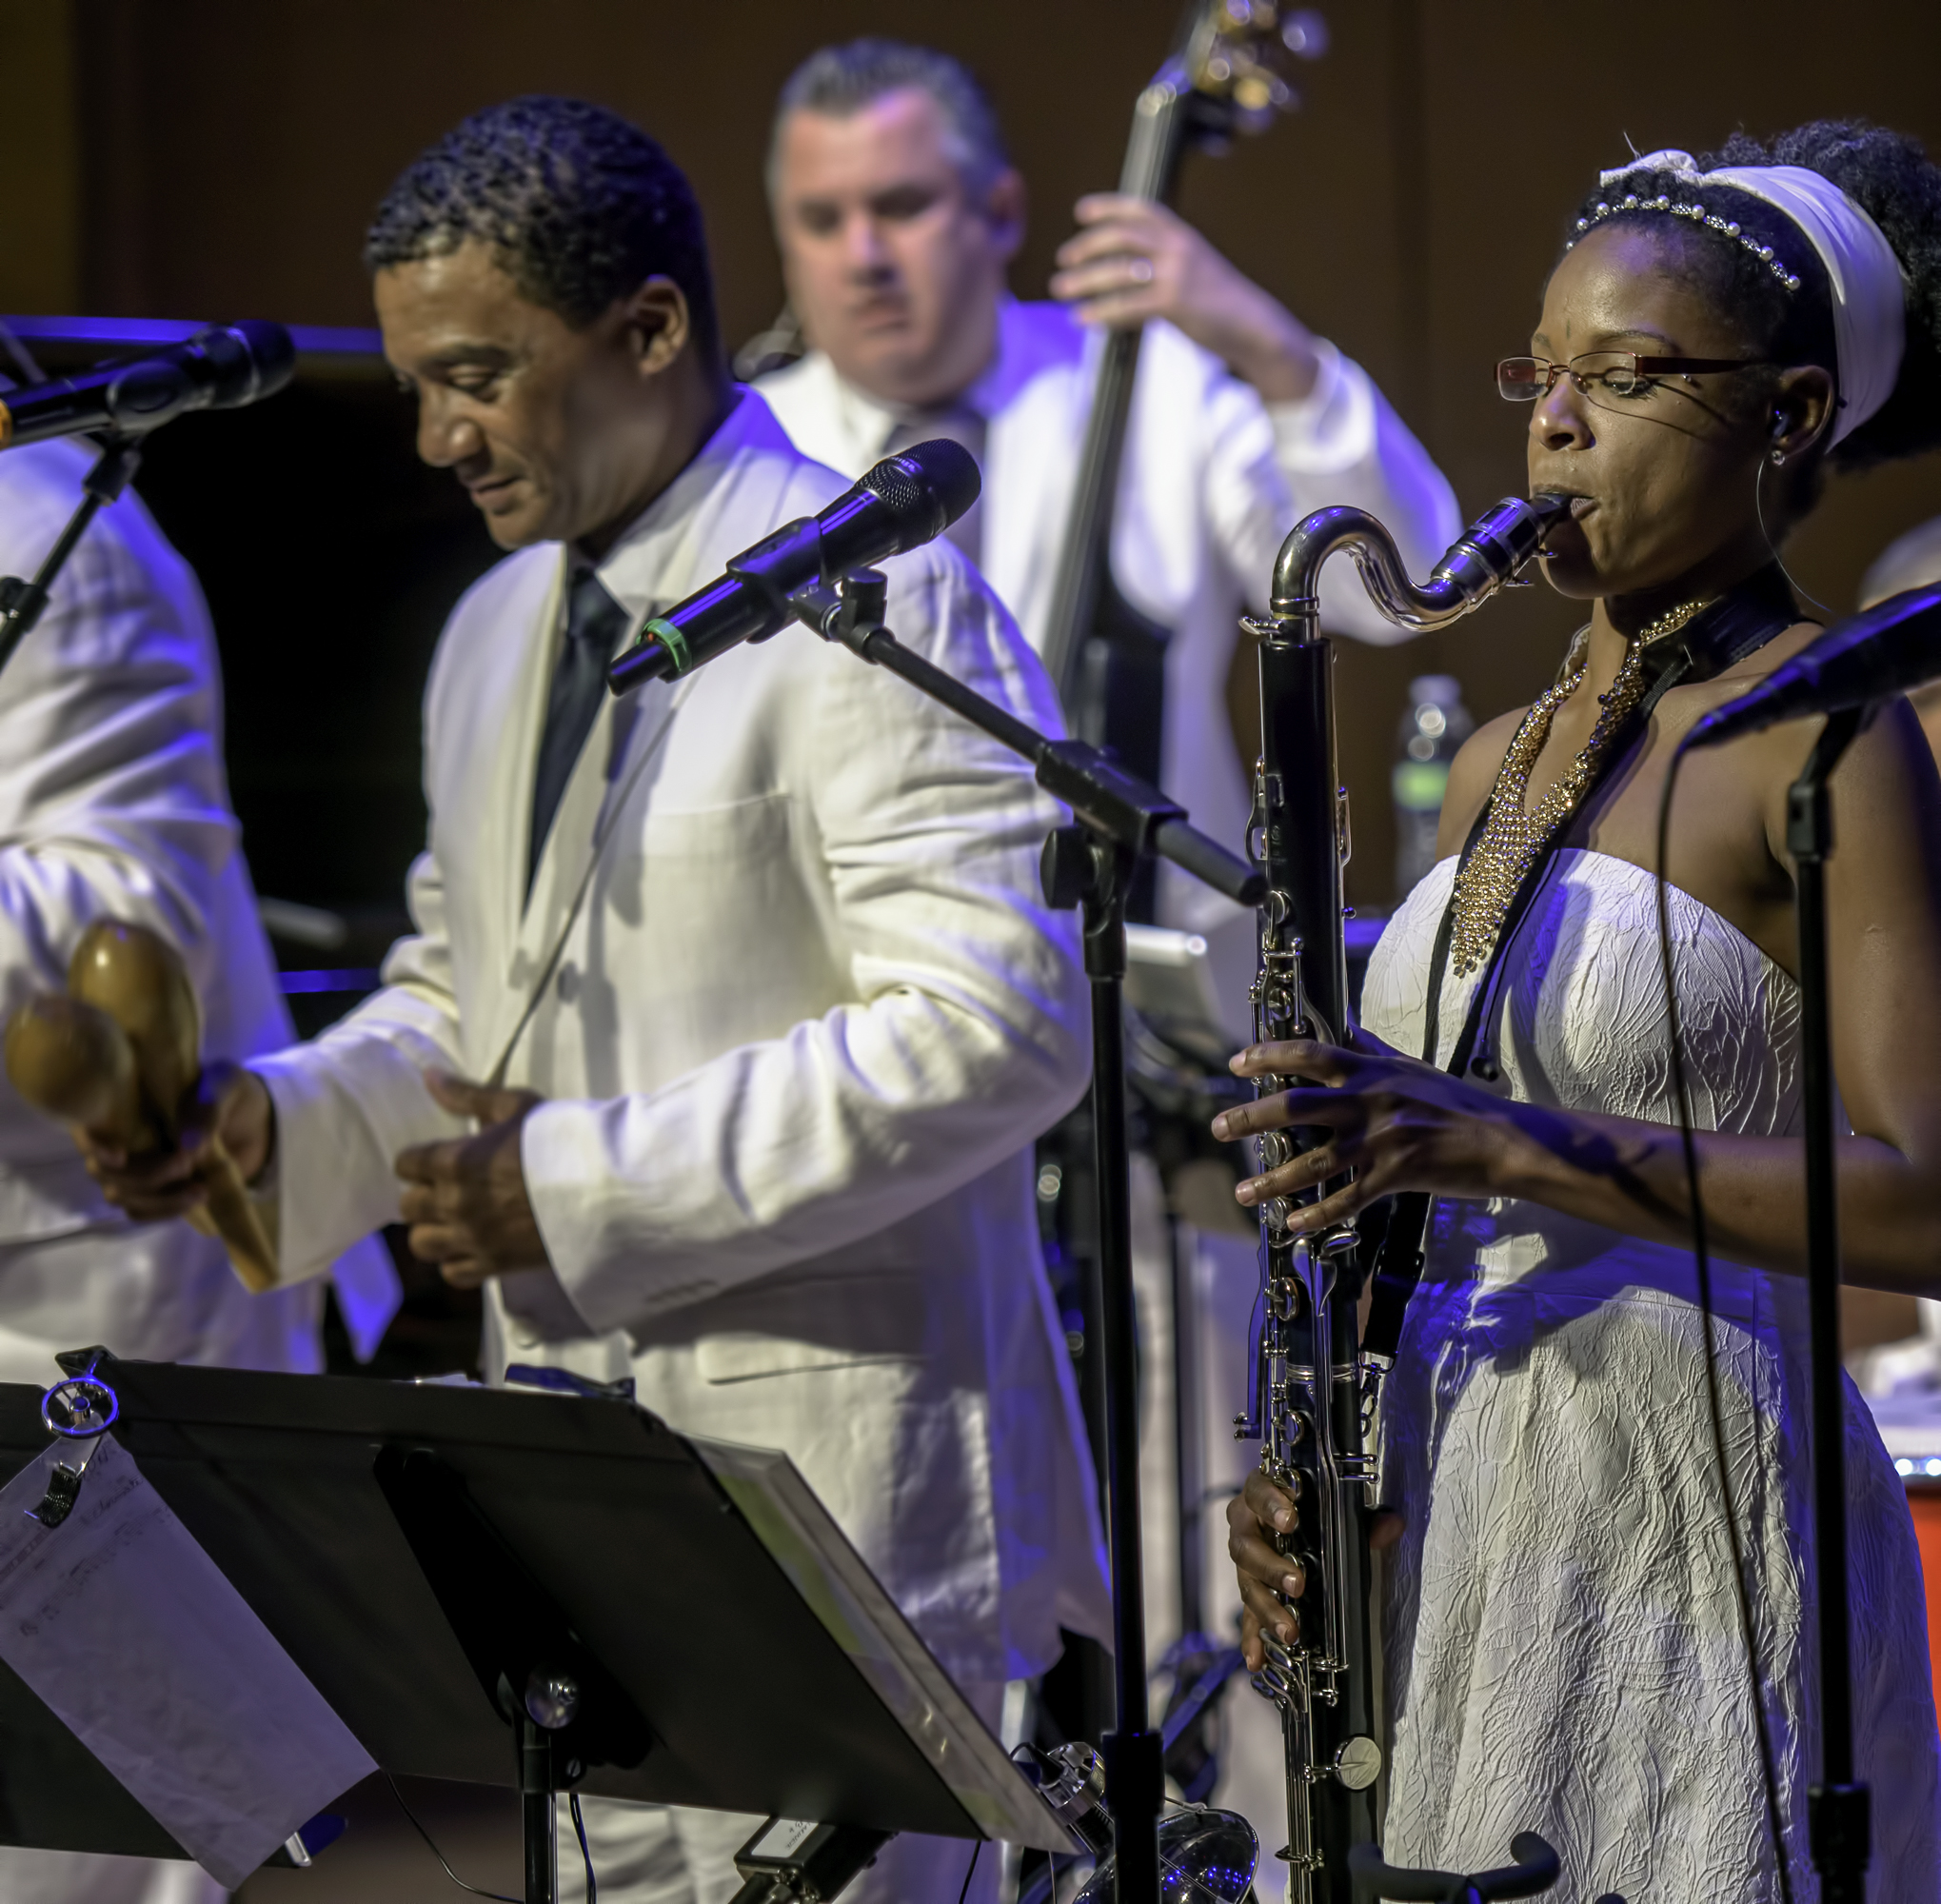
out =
column 631, row 1599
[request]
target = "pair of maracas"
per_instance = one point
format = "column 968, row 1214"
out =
column 117, row 1055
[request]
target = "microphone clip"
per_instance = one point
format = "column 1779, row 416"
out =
column 849, row 611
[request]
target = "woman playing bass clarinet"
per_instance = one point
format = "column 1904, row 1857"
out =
column 1566, row 1646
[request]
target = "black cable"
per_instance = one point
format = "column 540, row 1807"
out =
column 970, row 1869
column 586, row 1857
column 1681, row 1098
column 475, row 1890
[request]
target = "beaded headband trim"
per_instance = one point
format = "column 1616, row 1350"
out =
column 1697, row 213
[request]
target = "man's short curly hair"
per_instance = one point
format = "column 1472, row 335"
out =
column 1891, row 178
column 580, row 207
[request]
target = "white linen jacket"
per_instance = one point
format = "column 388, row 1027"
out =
column 797, row 1009
column 1210, row 482
column 114, row 804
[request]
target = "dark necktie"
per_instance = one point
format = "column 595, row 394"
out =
column 961, row 425
column 595, row 622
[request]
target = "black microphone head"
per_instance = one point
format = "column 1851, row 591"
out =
column 245, row 361
column 927, row 487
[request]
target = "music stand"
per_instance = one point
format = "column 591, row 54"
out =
column 709, row 1618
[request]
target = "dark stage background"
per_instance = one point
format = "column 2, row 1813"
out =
column 209, row 158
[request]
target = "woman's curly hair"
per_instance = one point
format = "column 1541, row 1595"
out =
column 582, row 208
column 1891, row 178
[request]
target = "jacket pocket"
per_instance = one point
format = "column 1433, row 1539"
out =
column 744, row 828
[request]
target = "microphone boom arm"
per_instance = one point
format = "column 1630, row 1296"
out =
column 1105, row 798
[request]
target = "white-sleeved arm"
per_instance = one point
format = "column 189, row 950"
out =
column 966, row 1035
column 113, row 797
column 349, row 1101
column 1341, row 444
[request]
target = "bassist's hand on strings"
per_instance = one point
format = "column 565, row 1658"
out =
column 1132, row 260
column 1266, row 1574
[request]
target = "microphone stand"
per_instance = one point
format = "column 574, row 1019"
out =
column 22, row 604
column 1837, row 1822
column 1121, row 822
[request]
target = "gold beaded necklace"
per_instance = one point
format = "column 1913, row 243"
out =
column 1514, row 837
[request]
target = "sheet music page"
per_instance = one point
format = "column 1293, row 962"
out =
column 135, row 1639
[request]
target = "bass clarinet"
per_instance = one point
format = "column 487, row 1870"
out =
column 1312, row 1392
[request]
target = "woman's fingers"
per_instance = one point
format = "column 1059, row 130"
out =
column 1249, row 1516
column 1269, row 1503
column 1256, row 1559
column 1296, row 1058
column 1287, row 1109
column 1346, row 1204
column 1312, row 1168
column 1282, row 1621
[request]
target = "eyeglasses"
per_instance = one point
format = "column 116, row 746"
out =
column 1610, row 373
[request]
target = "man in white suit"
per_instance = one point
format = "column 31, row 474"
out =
column 755, row 962
column 114, row 804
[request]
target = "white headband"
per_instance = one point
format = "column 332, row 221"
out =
column 1869, row 302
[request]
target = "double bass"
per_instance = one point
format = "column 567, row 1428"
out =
column 1230, row 72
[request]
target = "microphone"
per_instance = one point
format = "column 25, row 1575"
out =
column 1880, row 652
column 217, row 368
column 906, row 501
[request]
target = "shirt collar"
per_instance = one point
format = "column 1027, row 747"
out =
column 869, row 422
column 648, row 565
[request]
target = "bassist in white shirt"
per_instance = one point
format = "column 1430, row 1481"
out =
column 897, row 213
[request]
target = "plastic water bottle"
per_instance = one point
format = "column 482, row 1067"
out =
column 1436, row 724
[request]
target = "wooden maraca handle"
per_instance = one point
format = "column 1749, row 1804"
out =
column 237, row 1220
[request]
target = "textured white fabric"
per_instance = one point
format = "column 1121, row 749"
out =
column 1564, row 1652
column 1211, row 483
column 1870, row 289
column 794, row 1046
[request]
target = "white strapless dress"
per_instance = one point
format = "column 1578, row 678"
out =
column 1564, row 1652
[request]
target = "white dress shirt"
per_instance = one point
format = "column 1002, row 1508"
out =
column 114, row 804
column 1210, row 482
column 797, row 1011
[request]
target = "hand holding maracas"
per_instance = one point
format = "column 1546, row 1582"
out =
column 117, row 1057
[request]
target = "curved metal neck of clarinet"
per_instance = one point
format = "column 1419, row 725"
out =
column 1493, row 553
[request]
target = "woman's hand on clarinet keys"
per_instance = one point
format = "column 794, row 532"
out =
column 229, row 1104
column 1266, row 1574
column 1397, row 1124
